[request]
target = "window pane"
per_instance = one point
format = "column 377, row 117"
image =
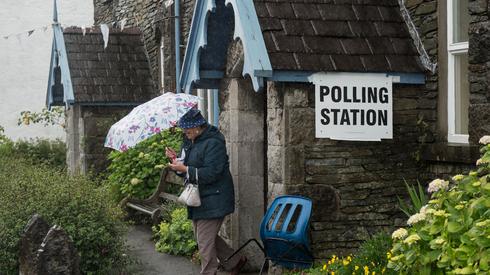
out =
column 461, row 19
column 461, row 93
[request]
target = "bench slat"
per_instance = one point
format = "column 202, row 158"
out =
column 169, row 196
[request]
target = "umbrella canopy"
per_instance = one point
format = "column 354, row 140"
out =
column 148, row 119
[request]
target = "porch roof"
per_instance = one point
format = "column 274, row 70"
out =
column 116, row 75
column 288, row 40
column 340, row 35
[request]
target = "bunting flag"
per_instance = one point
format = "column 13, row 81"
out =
column 105, row 34
column 123, row 23
column 104, row 28
column 169, row 3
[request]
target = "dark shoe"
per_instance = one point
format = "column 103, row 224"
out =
column 241, row 263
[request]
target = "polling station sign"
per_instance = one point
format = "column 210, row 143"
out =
column 353, row 106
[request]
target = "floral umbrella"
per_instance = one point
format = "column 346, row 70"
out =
column 148, row 119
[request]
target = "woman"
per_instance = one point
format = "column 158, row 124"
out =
column 204, row 161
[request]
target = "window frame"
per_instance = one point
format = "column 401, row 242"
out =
column 162, row 62
column 453, row 50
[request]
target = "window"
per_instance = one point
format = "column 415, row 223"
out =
column 458, row 86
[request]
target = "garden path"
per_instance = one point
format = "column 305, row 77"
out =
column 151, row 262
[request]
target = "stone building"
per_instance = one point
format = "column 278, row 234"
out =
column 99, row 87
column 267, row 98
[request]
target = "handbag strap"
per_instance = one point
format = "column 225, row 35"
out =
column 197, row 176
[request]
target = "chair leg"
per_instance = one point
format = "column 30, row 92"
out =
column 241, row 247
column 263, row 265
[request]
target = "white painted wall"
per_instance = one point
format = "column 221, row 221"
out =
column 24, row 61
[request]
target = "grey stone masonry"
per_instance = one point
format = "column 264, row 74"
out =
column 353, row 185
column 242, row 123
column 479, row 69
column 156, row 22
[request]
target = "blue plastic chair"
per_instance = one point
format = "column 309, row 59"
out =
column 284, row 233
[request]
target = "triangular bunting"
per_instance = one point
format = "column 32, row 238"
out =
column 123, row 23
column 105, row 34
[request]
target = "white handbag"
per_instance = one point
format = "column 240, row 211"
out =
column 190, row 195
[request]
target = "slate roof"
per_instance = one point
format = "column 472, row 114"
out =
column 337, row 35
column 118, row 74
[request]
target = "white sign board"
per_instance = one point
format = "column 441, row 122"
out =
column 353, row 106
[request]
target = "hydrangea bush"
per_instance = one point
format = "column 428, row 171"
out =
column 451, row 234
column 136, row 172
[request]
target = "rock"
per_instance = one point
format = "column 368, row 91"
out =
column 57, row 254
column 30, row 241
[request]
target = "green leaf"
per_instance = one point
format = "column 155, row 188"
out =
column 466, row 270
column 454, row 227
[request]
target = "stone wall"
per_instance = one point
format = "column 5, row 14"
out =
column 87, row 128
column 443, row 159
column 479, row 69
column 155, row 21
column 353, row 184
column 242, row 123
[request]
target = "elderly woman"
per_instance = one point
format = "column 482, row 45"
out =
column 204, row 161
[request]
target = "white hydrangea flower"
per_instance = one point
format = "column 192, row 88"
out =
column 458, row 177
column 416, row 218
column 411, row 239
column 423, row 209
column 135, row 181
column 399, row 234
column 481, row 161
column 485, row 140
column 437, row 185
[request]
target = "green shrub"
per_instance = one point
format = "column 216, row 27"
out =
column 451, row 233
column 136, row 172
column 82, row 210
column 37, row 151
column 176, row 236
column 371, row 258
column 417, row 199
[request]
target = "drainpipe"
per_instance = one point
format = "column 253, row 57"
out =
column 177, row 45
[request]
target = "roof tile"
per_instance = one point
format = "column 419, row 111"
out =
column 280, row 10
column 270, row 24
column 283, row 61
column 392, row 29
column 328, row 45
column 355, row 46
column 381, row 45
column 391, row 14
column 298, row 27
column 367, row 13
column 375, row 63
column 288, row 43
column 363, row 29
column 269, row 42
column 348, row 63
column 334, row 29
column 304, row 11
column 404, row 46
column 314, row 62
column 336, row 12
column 261, row 9
column 403, row 63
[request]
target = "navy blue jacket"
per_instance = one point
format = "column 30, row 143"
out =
column 208, row 155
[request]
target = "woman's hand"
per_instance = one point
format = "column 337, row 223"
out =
column 178, row 166
column 170, row 153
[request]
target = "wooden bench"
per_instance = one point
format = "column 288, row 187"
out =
column 152, row 205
